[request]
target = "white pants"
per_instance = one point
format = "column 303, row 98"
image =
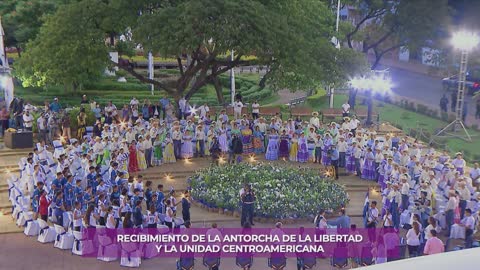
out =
column 237, row 114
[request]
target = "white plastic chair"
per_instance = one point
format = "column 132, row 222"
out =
column 130, row 255
column 107, row 250
column 32, row 228
column 46, row 234
column 64, row 240
column 79, row 243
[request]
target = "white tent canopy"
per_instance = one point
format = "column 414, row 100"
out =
column 467, row 259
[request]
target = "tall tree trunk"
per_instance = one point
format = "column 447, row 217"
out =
column 74, row 87
column 19, row 51
column 218, row 90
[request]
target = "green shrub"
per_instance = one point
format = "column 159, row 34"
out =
column 422, row 109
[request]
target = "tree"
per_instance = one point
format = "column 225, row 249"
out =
column 65, row 55
column 291, row 38
column 384, row 26
column 22, row 19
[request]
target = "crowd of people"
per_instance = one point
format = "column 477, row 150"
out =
column 95, row 175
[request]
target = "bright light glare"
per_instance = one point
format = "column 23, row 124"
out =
column 465, row 40
column 193, row 110
column 376, row 83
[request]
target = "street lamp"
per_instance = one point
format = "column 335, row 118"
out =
column 464, row 41
column 374, row 84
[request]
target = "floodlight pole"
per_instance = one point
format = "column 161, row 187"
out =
column 458, row 122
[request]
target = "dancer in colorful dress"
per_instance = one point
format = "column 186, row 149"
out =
column 157, row 151
column 272, row 148
column 327, row 143
column 283, row 151
column 222, row 138
column 293, row 148
column 350, row 158
column 132, row 158
column 368, row 171
column 302, row 155
column 168, row 153
column 187, row 146
column 142, row 163
column 258, row 139
column 247, row 140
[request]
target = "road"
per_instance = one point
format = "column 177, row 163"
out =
column 425, row 89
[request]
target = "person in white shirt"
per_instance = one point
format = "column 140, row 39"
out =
column 475, row 174
column 405, row 191
column 27, row 120
column 469, row 223
column 320, row 220
column 464, row 196
column 314, row 120
column 255, row 110
column 77, row 217
column 432, row 225
column 237, row 109
column 342, row 149
column 354, row 122
column 200, row 137
column 204, row 109
column 388, row 219
column 148, row 146
column 345, row 109
column 413, row 239
column 182, row 103
column 449, row 211
column 134, row 102
column 459, row 163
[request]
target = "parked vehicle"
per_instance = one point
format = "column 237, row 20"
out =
column 472, row 82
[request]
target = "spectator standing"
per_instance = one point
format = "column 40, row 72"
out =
column 134, row 102
column 84, row 100
column 255, row 110
column 237, row 109
column 248, row 199
column 82, row 123
column 465, row 111
column 42, row 128
column 345, row 109
column 55, row 106
column 164, row 101
column 433, row 245
column 453, row 105
column 93, row 104
column 156, row 108
column 28, row 121
column 66, row 131
column 18, row 113
column 182, row 108
column 97, row 112
column 477, row 109
column 238, row 96
column 186, row 206
column 342, row 222
column 53, row 125
column 4, row 118
column 444, row 103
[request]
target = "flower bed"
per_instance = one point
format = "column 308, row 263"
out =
column 282, row 192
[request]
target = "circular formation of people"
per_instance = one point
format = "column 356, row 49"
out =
column 95, row 175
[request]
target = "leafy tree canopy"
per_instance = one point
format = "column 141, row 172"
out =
column 291, row 38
